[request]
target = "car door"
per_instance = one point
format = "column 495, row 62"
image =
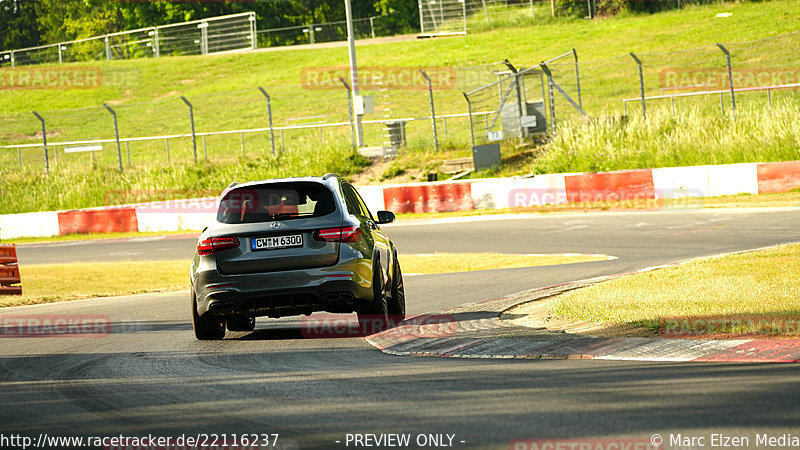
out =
column 379, row 240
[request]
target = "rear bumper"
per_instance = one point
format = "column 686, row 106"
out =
column 338, row 289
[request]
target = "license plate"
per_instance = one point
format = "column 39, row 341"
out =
column 275, row 242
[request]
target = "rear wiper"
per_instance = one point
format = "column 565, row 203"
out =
column 280, row 216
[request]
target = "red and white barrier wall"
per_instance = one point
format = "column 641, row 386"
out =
column 496, row 193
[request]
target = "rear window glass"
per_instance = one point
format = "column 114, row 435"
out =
column 275, row 201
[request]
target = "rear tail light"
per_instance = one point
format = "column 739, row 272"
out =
column 209, row 246
column 340, row 234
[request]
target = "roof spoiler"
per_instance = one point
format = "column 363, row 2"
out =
column 329, row 175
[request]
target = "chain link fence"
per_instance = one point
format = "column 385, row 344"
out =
column 504, row 100
column 199, row 37
column 522, row 102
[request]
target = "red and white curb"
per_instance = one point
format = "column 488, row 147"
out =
column 624, row 186
column 476, row 331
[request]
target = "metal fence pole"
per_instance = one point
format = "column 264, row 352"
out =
column 116, row 135
column 205, row 149
column 641, row 83
column 128, row 149
column 372, row 27
column 444, row 124
column 533, row 13
column 463, row 10
column 519, row 95
column 311, row 33
column 108, row 49
column 203, row 37
column 44, row 142
column 578, row 78
column 156, row 43
column 60, row 60
column 166, row 140
column 421, row 22
column 469, row 111
column 433, row 111
column 551, row 96
column 350, row 110
column 269, row 115
column 485, row 12
column 730, row 78
column 191, row 119
column 253, row 32
column 351, row 50
column 19, row 155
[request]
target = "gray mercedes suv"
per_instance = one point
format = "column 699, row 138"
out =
column 294, row 246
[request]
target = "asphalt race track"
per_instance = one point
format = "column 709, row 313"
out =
column 150, row 376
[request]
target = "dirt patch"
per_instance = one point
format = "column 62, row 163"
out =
column 170, row 94
column 37, row 135
column 373, row 174
column 539, row 315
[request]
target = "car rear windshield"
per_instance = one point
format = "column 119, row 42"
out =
column 276, row 201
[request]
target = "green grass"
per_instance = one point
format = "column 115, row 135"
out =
column 666, row 140
column 760, row 284
column 48, row 283
column 71, row 187
column 145, row 94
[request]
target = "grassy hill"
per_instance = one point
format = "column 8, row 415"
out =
column 223, row 88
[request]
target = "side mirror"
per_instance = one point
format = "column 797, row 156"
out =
column 385, row 217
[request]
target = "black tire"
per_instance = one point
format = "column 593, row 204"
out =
column 206, row 328
column 373, row 318
column 397, row 304
column 242, row 324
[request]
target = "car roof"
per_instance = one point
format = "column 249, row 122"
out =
column 330, row 180
column 323, row 179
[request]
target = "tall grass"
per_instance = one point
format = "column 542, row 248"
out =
column 664, row 139
column 69, row 187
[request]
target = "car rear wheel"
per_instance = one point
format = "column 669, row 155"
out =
column 374, row 317
column 242, row 324
column 206, row 327
column 397, row 304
